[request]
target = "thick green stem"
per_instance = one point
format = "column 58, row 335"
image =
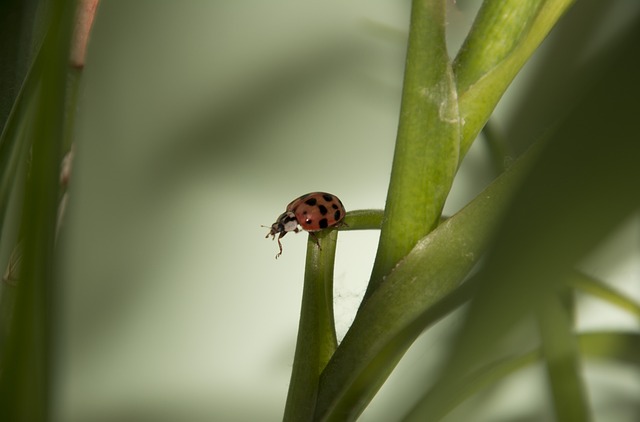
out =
column 504, row 35
column 426, row 153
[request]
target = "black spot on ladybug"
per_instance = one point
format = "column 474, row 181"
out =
column 334, row 206
column 336, row 216
column 327, row 197
column 308, row 221
column 324, row 223
column 323, row 209
column 311, row 201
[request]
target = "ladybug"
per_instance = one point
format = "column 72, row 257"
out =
column 313, row 212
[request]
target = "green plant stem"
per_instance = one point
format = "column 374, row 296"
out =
column 504, row 36
column 14, row 137
column 599, row 289
column 316, row 332
column 362, row 220
column 560, row 351
column 610, row 345
column 426, row 153
column 437, row 402
column 497, row 146
column 407, row 302
column 25, row 380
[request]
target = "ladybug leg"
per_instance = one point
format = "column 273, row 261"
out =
column 315, row 239
column 341, row 224
column 280, row 244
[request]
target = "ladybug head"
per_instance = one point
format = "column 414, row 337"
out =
column 285, row 223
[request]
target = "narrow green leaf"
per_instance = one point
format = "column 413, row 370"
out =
column 438, row 402
column 498, row 29
column 15, row 142
column 560, row 352
column 16, row 49
column 611, row 345
column 25, row 377
column 504, row 36
column 603, row 291
column 14, row 139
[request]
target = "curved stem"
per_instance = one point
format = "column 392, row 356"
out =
column 316, row 332
column 504, row 36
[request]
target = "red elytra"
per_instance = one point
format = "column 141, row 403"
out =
column 313, row 212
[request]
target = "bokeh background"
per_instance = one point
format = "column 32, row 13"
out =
column 198, row 122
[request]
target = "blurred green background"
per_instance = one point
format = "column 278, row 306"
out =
column 198, row 122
